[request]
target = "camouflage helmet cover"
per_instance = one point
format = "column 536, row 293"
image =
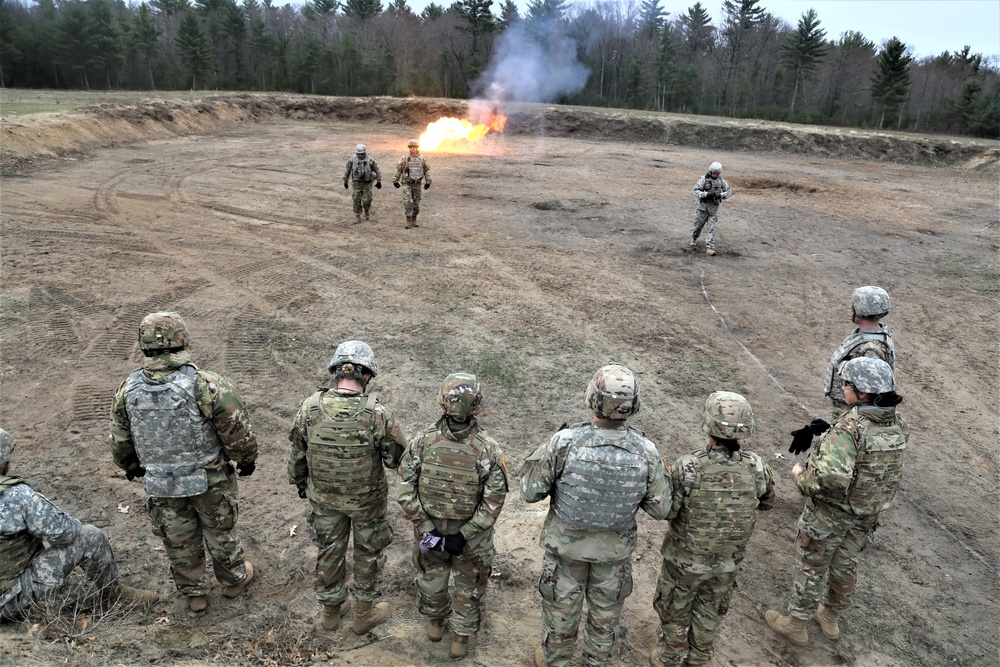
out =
column 413, row 143
column 613, row 393
column 870, row 301
column 728, row 415
column 6, row 446
column 360, row 149
column 461, row 396
column 164, row 330
column 870, row 375
column 715, row 166
column 354, row 352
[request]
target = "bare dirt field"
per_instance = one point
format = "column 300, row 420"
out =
column 548, row 252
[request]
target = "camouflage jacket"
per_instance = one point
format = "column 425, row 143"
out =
column 538, row 477
column 375, row 175
column 388, row 436
column 401, row 174
column 219, row 402
column 714, row 185
column 873, row 343
column 831, row 467
column 491, row 469
column 684, row 475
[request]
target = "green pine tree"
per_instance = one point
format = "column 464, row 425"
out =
column 891, row 81
column 193, row 47
column 803, row 50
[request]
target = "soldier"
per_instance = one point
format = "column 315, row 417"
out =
column 710, row 190
column 849, row 479
column 717, row 493
column 452, row 486
column 412, row 168
column 342, row 439
column 28, row 570
column 179, row 428
column 598, row 474
column 362, row 171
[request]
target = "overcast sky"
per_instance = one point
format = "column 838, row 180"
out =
column 929, row 27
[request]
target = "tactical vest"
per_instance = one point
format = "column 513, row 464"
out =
column 173, row 439
column 343, row 463
column 449, row 477
column 879, row 467
column 414, row 170
column 361, row 170
column 17, row 550
column 832, row 382
column 603, row 481
column 718, row 515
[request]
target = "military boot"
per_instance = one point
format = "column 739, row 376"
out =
column 414, row 222
column 367, row 214
column 435, row 629
column 233, row 591
column 331, row 616
column 711, row 252
column 409, row 222
column 791, row 628
column 540, row 657
column 654, row 658
column 118, row 592
column 357, row 218
column 459, row 646
column 827, row 619
column 693, row 243
column 198, row 603
column 367, row 617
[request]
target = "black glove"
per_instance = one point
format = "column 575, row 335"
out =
column 246, row 469
column 454, row 544
column 346, row 187
column 818, row 426
column 378, row 185
column 395, row 184
column 132, row 473
column 802, row 440
column 427, row 186
column 302, row 492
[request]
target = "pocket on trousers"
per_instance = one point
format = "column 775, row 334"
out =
column 625, row 583
column 547, row 580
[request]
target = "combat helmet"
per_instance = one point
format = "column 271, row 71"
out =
column 360, row 149
column 870, row 375
column 461, row 396
column 613, row 393
column 6, row 446
column 164, row 331
column 352, row 359
column 871, row 302
column 715, row 167
column 728, row 416
column 413, row 143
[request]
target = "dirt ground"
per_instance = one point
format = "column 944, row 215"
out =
column 539, row 257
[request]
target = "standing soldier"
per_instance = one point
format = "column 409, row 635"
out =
column 179, row 427
column 717, row 493
column 710, row 190
column 849, row 479
column 598, row 474
column 412, row 168
column 342, row 439
column 362, row 171
column 452, row 486
column 29, row 571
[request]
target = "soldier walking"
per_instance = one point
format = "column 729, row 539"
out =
column 849, row 480
column 717, row 492
column 452, row 486
column 598, row 474
column 179, row 427
column 30, row 571
column 710, row 190
column 412, row 169
column 342, row 439
column 362, row 171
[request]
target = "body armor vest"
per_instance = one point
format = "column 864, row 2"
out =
column 173, row 439
column 603, row 481
column 832, row 382
column 343, row 463
column 361, row 170
column 414, row 168
column 17, row 550
column 718, row 515
column 879, row 467
column 449, row 477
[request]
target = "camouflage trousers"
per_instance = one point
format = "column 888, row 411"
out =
column 689, row 608
column 188, row 525
column 828, row 547
column 411, row 198
column 564, row 584
column 471, row 570
column 49, row 569
column 331, row 531
column 361, row 195
column 705, row 213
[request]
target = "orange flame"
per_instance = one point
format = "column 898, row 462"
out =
column 449, row 129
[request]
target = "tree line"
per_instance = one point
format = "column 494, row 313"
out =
column 751, row 65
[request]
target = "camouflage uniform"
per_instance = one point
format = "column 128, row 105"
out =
column 872, row 343
column 592, row 564
column 849, row 479
column 189, row 523
column 411, row 186
column 694, row 588
column 342, row 495
column 28, row 570
column 706, row 190
column 362, row 174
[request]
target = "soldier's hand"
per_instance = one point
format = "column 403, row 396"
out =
column 819, row 426
column 346, row 187
column 132, row 473
column 246, row 469
column 802, row 440
column 454, row 544
column 378, row 185
column 427, row 186
column 432, row 541
column 302, row 492
column 395, row 184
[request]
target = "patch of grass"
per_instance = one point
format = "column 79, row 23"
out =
column 22, row 102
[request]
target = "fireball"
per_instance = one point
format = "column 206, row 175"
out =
column 459, row 131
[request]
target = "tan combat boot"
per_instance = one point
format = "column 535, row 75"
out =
column 540, row 657
column 357, row 218
column 791, row 628
column 198, row 603
column 459, row 646
column 414, row 220
column 827, row 619
column 118, row 592
column 694, row 243
column 435, row 629
column 331, row 616
column 409, row 222
column 367, row 617
column 233, row 591
column 711, row 252
column 654, row 658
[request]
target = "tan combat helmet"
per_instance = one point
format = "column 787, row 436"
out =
column 613, row 393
